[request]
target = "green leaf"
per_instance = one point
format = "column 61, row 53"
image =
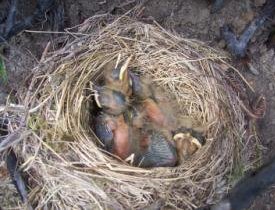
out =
column 3, row 72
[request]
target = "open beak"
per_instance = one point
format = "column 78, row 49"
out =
column 123, row 74
column 97, row 100
column 130, row 159
column 196, row 142
column 188, row 136
column 96, row 95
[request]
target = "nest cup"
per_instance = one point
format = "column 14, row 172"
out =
column 65, row 166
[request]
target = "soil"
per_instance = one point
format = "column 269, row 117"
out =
column 189, row 18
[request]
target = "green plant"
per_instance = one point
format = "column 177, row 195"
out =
column 3, row 72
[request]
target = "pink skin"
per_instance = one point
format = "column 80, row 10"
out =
column 121, row 138
column 154, row 113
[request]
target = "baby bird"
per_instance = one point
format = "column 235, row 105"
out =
column 144, row 93
column 121, row 146
column 135, row 117
column 110, row 101
column 141, row 88
column 113, row 97
column 186, row 145
column 104, row 125
column 117, row 77
column 156, row 151
column 113, row 132
column 150, row 146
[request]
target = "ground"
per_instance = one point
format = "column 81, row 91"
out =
column 189, row 18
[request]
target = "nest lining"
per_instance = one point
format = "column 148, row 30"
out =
column 61, row 155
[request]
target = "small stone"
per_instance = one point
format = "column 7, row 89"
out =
column 248, row 16
column 252, row 69
column 253, row 48
column 259, row 3
column 222, row 44
column 263, row 49
column 270, row 86
column 241, row 22
column 239, row 25
column 253, row 39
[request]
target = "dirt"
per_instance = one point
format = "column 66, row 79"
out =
column 189, row 18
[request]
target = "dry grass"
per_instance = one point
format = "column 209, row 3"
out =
column 69, row 171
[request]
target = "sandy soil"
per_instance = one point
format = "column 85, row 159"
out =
column 190, row 18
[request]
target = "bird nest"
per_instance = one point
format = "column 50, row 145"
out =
column 65, row 167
